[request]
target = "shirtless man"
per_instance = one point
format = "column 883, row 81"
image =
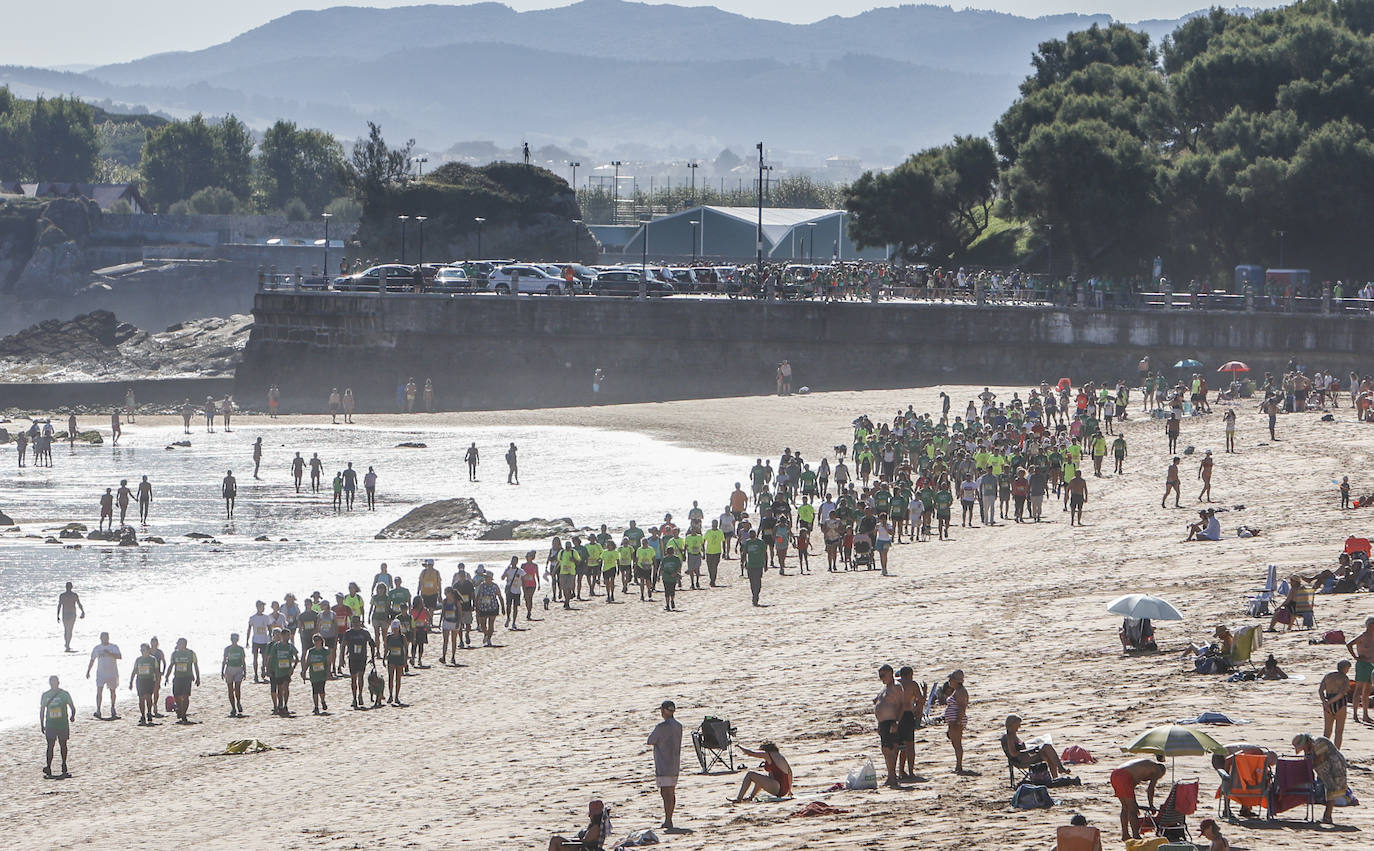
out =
column 114, row 427
column 298, row 470
column 257, row 456
column 106, row 509
column 229, row 489
column 123, row 497
column 887, row 706
column 67, row 604
column 913, row 704
column 316, row 470
column 1124, row 779
column 1171, row 484
column 1362, row 648
column 1077, row 489
column 1334, row 692
column 471, row 459
column 145, row 500
column 1204, row 472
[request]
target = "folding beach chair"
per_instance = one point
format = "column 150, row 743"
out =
column 1139, row 633
column 714, row 743
column 1246, row 781
column 1075, row 837
column 1171, row 820
column 1246, row 641
column 1259, row 605
column 1292, row 787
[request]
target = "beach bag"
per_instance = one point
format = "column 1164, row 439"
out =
column 1039, row 774
column 1076, row 755
column 1029, row 797
column 1284, row 615
column 1334, row 636
column 171, row 703
column 862, row 776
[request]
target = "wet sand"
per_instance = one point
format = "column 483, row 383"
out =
column 507, row 750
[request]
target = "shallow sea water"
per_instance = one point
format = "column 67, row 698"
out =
column 204, row 591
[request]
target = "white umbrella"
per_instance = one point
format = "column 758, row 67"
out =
column 1141, row 606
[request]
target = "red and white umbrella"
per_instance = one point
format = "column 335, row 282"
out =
column 1233, row 366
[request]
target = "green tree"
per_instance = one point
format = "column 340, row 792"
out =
column 62, row 140
column 182, row 157
column 213, row 201
column 375, row 166
column 294, row 163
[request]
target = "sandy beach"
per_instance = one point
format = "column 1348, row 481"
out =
column 507, row 750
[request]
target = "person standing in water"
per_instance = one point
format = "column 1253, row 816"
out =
column 513, row 470
column 71, row 430
column 106, row 509
column 470, row 458
column 122, row 497
column 350, row 484
column 257, row 456
column 145, row 500
column 370, row 488
column 316, row 471
column 67, row 604
column 226, row 409
column 298, row 470
column 114, row 427
column 229, row 489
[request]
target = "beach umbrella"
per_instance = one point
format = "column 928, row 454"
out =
column 1233, row 366
column 1173, row 741
column 1140, row 606
column 1188, row 363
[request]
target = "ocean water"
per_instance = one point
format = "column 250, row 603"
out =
column 204, row 591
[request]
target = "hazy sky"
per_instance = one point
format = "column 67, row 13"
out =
column 70, row 32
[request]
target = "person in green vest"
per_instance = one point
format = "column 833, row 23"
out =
column 282, row 658
column 670, row 569
column 1099, row 452
column 1119, row 452
column 610, row 562
column 56, row 712
column 143, row 681
column 395, row 653
column 714, row 543
column 182, row 668
column 645, row 557
column 754, row 556
column 232, row 669
column 315, row 668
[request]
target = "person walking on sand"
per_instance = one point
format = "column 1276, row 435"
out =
column 754, row 554
column 1228, row 419
column 470, row 458
column 1270, row 408
column 1171, row 429
column 105, row 659
column 1361, row 647
column 257, row 456
column 887, row 708
column 429, row 396
column 666, row 740
column 56, row 712
column 1077, row 489
column 1119, row 453
column 1204, row 472
column 145, row 500
column 143, row 680
column 1124, row 779
column 229, row 489
column 183, row 668
column 232, row 669
column 67, row 604
column 1171, row 484
column 956, row 716
column 512, row 466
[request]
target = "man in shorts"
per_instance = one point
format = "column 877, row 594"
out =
column 105, row 659
column 359, row 648
column 1078, row 494
column 913, row 705
column 666, row 740
column 430, row 583
column 1362, row 648
column 231, row 670
column 1124, row 779
column 143, row 678
column 56, row 712
column 316, row 667
column 259, row 634
column 887, row 707
column 281, row 661
column 183, row 667
column 67, row 604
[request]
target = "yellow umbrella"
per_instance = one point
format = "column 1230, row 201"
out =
column 1175, row 740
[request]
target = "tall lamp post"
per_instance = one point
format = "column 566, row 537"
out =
column 326, row 217
column 615, row 187
column 1281, row 235
column 693, row 167
column 403, row 220
column 421, row 220
column 644, row 260
column 574, row 176
column 577, row 239
column 768, row 184
column 479, row 220
column 759, row 234
column 420, row 161
column 1049, row 264
column 694, row 241
column 811, row 243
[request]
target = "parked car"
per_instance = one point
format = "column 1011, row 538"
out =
column 532, row 279
column 625, row 282
column 454, row 279
column 398, row 279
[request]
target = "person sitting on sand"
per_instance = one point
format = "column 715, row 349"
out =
column 1208, row 527
column 1271, row 670
column 1288, row 605
column 1022, row 757
column 1078, row 836
column 1212, row 833
column 590, row 838
column 777, row 779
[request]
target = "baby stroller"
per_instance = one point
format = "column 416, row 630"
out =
column 863, row 551
column 714, row 743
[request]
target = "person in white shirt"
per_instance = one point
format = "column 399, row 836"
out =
column 259, row 634
column 105, row 659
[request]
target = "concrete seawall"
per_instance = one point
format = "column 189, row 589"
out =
column 493, row 352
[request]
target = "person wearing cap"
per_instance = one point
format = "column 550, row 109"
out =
column 593, row 836
column 666, row 740
column 395, row 653
column 1212, row 833
column 430, row 583
column 1204, row 472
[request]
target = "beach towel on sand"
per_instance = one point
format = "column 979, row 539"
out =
column 639, row 838
column 242, row 746
column 1076, row 755
column 818, row 808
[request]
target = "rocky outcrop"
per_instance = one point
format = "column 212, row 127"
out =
column 463, row 518
column 5, row 519
column 54, row 263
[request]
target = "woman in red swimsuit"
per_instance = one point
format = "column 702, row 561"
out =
column 777, row 781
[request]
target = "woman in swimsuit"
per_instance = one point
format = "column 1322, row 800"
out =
column 777, row 780
column 956, row 713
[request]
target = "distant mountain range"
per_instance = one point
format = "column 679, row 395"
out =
column 618, row 75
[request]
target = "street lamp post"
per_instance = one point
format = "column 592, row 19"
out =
column 1282, row 234
column 577, row 239
column 759, row 234
column 421, row 220
column 811, row 243
column 574, row 176
column 615, row 187
column 694, row 241
column 326, row 217
column 421, row 162
column 403, row 220
column 479, row 220
column 644, row 260
column 768, row 183
column 1049, row 264
column 693, row 167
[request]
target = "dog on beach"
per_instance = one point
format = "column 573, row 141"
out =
column 377, row 686
column 840, row 450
